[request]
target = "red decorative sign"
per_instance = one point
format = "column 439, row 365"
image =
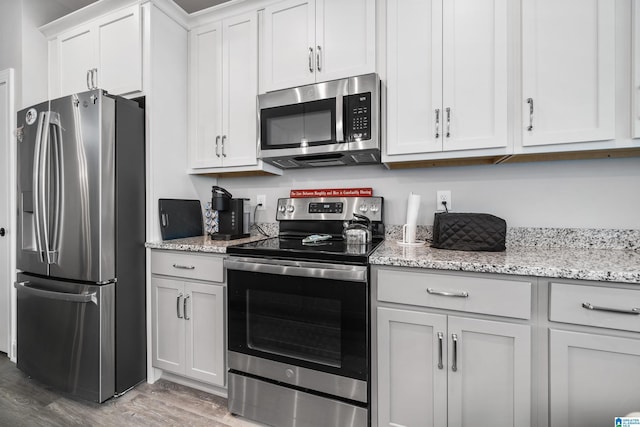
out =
column 332, row 192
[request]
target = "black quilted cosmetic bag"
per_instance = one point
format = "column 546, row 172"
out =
column 469, row 232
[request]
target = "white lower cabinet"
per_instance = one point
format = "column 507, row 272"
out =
column 443, row 369
column 594, row 366
column 188, row 318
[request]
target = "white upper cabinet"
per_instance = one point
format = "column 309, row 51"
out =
column 568, row 71
column 447, row 76
column 224, row 86
column 308, row 41
column 105, row 53
column 635, row 85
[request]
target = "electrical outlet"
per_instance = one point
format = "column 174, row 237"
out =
column 443, row 196
column 261, row 202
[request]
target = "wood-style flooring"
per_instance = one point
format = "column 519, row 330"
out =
column 26, row 402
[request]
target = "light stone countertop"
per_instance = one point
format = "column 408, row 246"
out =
column 200, row 244
column 607, row 265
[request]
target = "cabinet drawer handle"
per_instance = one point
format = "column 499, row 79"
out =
column 530, row 102
column 461, row 294
column 311, row 60
column 437, row 123
column 184, row 309
column 178, row 306
column 184, row 267
column 454, row 364
column 440, row 340
column 589, row 306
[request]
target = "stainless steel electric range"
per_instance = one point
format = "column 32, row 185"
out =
column 298, row 317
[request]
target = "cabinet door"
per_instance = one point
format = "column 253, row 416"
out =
column 239, row 90
column 345, row 38
column 204, row 320
column 593, row 378
column 120, row 52
column 76, row 53
column 568, row 75
column 635, row 85
column 289, row 44
column 205, row 130
column 491, row 383
column 167, row 298
column 474, row 77
column 412, row 369
column 414, row 76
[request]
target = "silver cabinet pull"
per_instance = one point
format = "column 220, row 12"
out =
column 440, row 340
column 178, row 306
column 217, row 146
column 184, row 267
column 437, row 123
column 461, row 294
column 94, row 79
column 448, row 122
column 454, row 364
column 318, row 54
column 589, row 306
column 311, row 60
column 184, row 309
column 530, row 102
column 223, row 139
column 89, row 72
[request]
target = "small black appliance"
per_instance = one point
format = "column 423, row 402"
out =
column 232, row 221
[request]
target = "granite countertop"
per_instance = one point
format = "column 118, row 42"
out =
column 607, row 265
column 200, row 244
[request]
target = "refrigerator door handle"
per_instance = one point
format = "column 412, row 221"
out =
column 38, row 176
column 58, row 185
column 60, row 296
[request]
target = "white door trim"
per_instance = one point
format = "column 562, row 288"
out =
column 7, row 147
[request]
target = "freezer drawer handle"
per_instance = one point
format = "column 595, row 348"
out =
column 60, row 296
column 589, row 306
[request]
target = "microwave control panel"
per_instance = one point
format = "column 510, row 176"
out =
column 357, row 121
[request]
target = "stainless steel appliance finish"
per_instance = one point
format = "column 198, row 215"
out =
column 334, row 123
column 298, row 317
column 80, row 243
column 286, row 407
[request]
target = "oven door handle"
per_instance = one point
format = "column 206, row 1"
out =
column 350, row 273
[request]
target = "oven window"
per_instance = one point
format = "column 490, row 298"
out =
column 310, row 123
column 296, row 326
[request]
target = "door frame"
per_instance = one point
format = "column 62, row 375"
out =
column 7, row 146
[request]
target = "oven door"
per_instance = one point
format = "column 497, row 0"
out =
column 308, row 315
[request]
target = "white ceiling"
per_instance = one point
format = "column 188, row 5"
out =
column 189, row 6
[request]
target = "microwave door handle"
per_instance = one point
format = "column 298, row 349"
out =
column 340, row 119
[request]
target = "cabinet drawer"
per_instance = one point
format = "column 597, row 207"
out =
column 610, row 307
column 497, row 297
column 191, row 266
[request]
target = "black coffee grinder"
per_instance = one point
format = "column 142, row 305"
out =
column 232, row 222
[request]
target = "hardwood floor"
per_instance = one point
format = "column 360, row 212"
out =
column 25, row 402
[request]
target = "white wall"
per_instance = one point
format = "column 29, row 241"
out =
column 582, row 193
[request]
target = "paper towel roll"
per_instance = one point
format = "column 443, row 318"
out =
column 413, row 205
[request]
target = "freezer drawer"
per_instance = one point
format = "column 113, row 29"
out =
column 66, row 335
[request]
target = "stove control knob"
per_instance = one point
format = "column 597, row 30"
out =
column 290, row 208
column 374, row 208
column 282, row 208
column 363, row 208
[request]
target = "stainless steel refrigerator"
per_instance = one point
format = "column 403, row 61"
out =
column 80, row 244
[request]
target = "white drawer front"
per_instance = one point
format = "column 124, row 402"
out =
column 192, row 266
column 507, row 298
column 609, row 307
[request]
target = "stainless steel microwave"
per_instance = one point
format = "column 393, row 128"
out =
column 333, row 123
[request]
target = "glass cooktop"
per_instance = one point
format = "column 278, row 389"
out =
column 334, row 250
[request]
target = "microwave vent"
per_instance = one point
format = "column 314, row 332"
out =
column 285, row 163
column 365, row 158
